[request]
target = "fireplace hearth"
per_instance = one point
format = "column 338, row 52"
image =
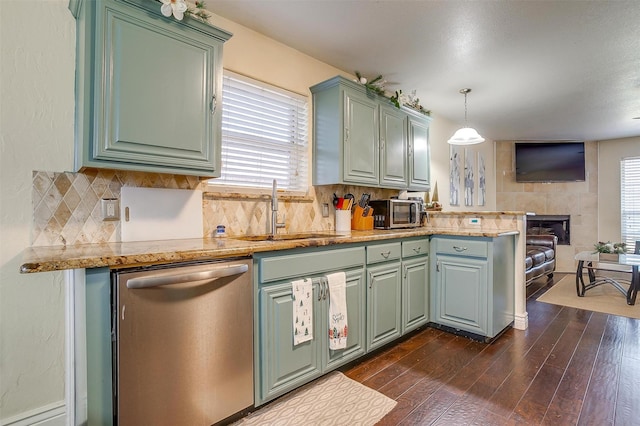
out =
column 558, row 225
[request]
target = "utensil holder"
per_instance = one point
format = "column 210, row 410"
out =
column 359, row 222
column 343, row 221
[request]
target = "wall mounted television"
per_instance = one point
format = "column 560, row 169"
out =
column 549, row 161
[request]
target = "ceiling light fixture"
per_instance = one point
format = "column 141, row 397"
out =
column 467, row 135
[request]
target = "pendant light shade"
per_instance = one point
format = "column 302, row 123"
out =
column 466, row 135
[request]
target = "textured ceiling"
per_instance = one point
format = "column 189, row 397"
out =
column 565, row 70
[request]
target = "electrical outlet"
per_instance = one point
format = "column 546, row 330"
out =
column 474, row 221
column 110, row 208
column 325, row 210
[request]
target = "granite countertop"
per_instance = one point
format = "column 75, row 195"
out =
column 114, row 255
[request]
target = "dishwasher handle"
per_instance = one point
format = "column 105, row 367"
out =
column 179, row 278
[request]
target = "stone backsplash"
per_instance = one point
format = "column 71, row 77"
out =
column 66, row 206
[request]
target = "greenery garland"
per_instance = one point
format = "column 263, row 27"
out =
column 199, row 12
column 377, row 86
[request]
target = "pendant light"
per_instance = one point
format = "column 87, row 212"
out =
column 466, row 135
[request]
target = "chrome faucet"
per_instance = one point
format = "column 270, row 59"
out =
column 274, row 210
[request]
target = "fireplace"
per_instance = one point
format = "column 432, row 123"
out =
column 558, row 225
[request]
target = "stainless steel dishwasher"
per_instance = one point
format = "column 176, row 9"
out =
column 183, row 349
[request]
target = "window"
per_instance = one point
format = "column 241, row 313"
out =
column 264, row 135
column 630, row 200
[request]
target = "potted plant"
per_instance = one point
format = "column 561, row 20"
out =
column 609, row 250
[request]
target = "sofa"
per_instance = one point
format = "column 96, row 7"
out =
column 540, row 258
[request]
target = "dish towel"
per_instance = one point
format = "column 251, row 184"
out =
column 302, row 310
column 337, row 310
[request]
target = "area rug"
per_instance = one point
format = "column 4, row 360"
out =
column 604, row 298
column 331, row 400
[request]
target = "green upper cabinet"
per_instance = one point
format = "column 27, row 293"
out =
column 419, row 155
column 361, row 142
column 393, row 147
column 362, row 138
column 148, row 89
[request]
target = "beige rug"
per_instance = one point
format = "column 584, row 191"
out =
column 604, row 298
column 331, row 400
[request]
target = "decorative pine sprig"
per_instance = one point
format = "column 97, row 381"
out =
column 199, row 12
column 397, row 99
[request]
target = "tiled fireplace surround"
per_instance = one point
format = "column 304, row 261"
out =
column 66, row 207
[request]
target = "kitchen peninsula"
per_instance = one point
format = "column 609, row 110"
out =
column 457, row 273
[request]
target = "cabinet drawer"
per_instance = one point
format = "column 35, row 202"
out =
column 415, row 248
column 308, row 262
column 462, row 247
column 383, row 252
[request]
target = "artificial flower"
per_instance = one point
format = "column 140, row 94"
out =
column 177, row 8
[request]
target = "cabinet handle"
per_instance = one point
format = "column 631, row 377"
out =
column 459, row 249
column 326, row 286
column 381, row 144
column 386, row 254
column 417, row 249
column 213, row 104
column 438, row 266
column 346, row 134
column 320, row 290
column 405, row 272
column 370, row 279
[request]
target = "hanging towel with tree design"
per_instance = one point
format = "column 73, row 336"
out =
column 302, row 310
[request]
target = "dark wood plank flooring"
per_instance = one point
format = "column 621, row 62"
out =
column 570, row 367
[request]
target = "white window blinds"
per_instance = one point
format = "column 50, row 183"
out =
column 630, row 200
column 264, row 135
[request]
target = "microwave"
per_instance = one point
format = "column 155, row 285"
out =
column 394, row 213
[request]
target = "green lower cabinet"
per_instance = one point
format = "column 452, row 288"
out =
column 383, row 304
column 462, row 293
column 472, row 286
column 281, row 366
column 415, row 293
column 285, row 366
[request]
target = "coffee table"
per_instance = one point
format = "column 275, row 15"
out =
column 608, row 263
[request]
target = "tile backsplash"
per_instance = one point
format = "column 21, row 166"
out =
column 66, row 206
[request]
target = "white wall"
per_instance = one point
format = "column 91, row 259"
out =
column 37, row 52
column 37, row 42
column 439, row 132
column 610, row 153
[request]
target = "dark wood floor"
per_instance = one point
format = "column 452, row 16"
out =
column 569, row 367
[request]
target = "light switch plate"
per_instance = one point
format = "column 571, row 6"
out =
column 325, row 210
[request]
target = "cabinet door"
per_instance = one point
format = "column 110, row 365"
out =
column 393, row 147
column 461, row 293
column 283, row 365
column 384, row 304
column 415, row 293
column 156, row 88
column 419, row 157
column 356, row 318
column 361, row 139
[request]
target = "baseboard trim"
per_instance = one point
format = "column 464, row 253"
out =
column 48, row 415
column 521, row 322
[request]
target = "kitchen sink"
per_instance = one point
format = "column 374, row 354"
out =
column 286, row 237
